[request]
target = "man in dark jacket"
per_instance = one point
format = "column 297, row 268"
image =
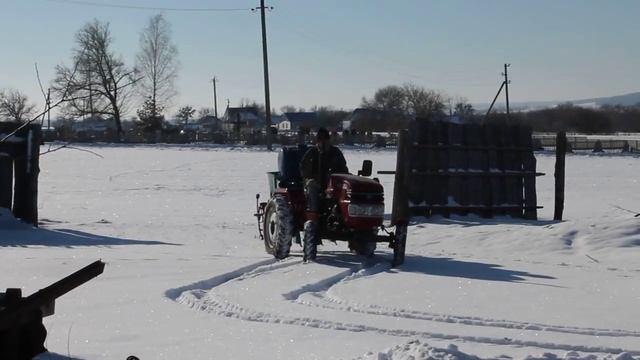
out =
column 317, row 164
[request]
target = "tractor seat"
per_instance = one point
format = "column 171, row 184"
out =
column 289, row 165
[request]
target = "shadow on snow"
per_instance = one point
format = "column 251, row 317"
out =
column 64, row 238
column 434, row 266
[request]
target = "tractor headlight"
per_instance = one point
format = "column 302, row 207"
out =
column 366, row 210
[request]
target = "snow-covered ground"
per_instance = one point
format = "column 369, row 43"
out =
column 187, row 277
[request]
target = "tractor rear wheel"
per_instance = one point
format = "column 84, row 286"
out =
column 278, row 227
column 364, row 244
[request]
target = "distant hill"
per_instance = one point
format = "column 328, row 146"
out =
column 625, row 100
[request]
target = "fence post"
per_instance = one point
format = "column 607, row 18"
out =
column 27, row 170
column 6, row 181
column 561, row 149
column 400, row 212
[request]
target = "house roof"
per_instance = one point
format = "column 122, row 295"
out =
column 248, row 111
column 208, row 119
column 307, row 117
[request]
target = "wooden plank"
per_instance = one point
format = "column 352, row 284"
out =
column 491, row 139
column 417, row 160
column 529, row 165
column 478, row 187
column 472, row 147
column 518, row 187
column 431, row 186
column 441, row 185
column 470, row 207
column 480, row 173
column 512, row 163
column 457, row 162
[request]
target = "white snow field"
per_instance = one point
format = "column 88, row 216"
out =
column 187, row 276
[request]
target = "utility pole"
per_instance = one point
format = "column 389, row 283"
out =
column 215, row 98
column 267, row 101
column 48, row 109
column 506, row 86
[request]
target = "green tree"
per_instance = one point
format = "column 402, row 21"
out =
column 185, row 113
column 149, row 115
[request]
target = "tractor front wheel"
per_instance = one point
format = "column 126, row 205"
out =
column 364, row 244
column 278, row 227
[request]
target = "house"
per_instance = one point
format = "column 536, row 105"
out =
column 94, row 125
column 209, row 123
column 242, row 119
column 276, row 120
column 295, row 121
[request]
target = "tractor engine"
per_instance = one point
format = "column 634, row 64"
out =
column 359, row 202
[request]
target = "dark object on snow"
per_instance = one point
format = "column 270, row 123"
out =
column 19, row 169
column 561, row 149
column 626, row 147
column 22, row 334
column 597, row 147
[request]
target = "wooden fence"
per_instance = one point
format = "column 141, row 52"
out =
column 581, row 142
column 19, row 170
column 446, row 168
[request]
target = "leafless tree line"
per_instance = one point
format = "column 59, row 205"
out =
column 100, row 84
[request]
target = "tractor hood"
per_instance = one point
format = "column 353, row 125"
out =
column 354, row 183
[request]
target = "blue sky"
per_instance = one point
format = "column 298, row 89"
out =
column 334, row 52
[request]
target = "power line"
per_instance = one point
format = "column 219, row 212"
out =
column 134, row 7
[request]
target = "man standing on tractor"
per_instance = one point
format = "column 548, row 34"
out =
column 317, row 164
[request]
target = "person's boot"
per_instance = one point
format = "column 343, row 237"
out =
column 309, row 241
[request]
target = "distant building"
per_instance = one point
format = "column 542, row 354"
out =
column 209, row 123
column 294, row 121
column 242, row 119
column 94, row 125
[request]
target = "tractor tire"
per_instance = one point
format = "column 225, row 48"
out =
column 310, row 241
column 399, row 245
column 363, row 244
column 278, row 227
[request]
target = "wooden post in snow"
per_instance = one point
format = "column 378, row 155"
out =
column 27, row 170
column 400, row 212
column 6, row 181
column 561, row 150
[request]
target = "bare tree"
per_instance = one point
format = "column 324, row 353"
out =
column 15, row 106
column 102, row 83
column 389, row 99
column 463, row 108
column 157, row 63
column 421, row 102
column 205, row 111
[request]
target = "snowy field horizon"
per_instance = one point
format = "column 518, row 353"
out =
column 187, row 276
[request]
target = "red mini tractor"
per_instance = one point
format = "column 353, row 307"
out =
column 351, row 209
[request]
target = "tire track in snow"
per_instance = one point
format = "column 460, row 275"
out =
column 241, row 273
column 322, row 298
column 199, row 296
